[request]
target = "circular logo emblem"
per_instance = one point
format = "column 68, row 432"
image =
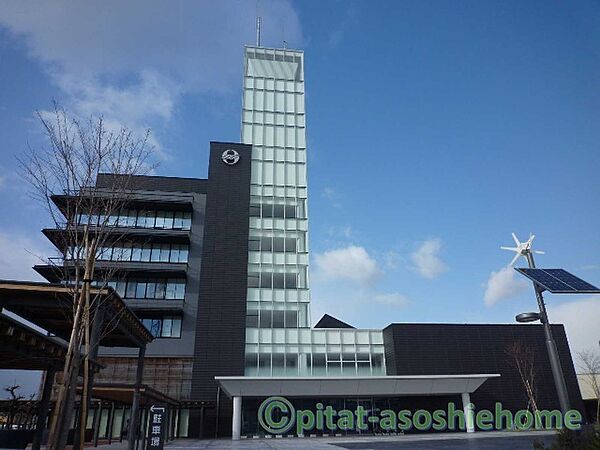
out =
column 276, row 415
column 230, row 157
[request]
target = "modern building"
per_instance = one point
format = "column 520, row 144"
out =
column 218, row 270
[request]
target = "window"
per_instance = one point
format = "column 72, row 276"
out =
column 140, row 290
column 290, row 280
column 178, row 220
column 145, row 254
column 290, row 212
column 278, row 280
column 254, row 244
column 187, row 221
column 155, row 255
column 290, row 245
column 179, row 290
column 266, row 280
column 278, row 319
column 160, row 290
column 253, row 280
column 150, row 289
column 131, row 289
column 165, row 253
column 278, row 211
column 168, row 220
column 266, row 244
column 278, row 245
column 252, row 318
column 164, row 327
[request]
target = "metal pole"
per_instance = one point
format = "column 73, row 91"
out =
column 44, row 403
column 557, row 372
column 133, row 417
column 218, row 412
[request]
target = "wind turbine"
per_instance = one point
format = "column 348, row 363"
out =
column 522, row 248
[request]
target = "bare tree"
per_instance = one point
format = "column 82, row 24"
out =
column 18, row 407
column 63, row 175
column 522, row 358
column 589, row 365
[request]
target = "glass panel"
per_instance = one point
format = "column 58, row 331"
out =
column 254, row 244
column 183, row 254
column 131, row 289
column 165, row 252
column 252, row 318
column 187, row 221
column 155, row 327
column 265, row 319
column 266, row 244
column 170, row 294
column 253, row 280
column 151, row 289
column 167, row 327
column 290, row 212
column 140, row 291
column 278, row 244
column 155, row 256
column 176, row 328
column 160, row 289
column 168, row 219
column 266, row 280
column 278, row 319
column 291, row 319
column 290, row 244
column 279, row 280
column 146, row 250
column 290, row 281
column 180, row 290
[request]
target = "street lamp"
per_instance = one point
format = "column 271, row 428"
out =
column 524, row 249
column 527, row 317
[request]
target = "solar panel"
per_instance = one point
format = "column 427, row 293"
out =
column 559, row 281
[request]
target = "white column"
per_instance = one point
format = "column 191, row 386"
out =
column 468, row 408
column 236, row 421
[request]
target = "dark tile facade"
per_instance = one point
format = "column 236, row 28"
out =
column 447, row 349
column 220, row 327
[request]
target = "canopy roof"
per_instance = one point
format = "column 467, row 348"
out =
column 397, row 385
column 123, row 393
column 50, row 306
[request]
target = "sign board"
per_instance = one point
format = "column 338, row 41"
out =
column 157, row 427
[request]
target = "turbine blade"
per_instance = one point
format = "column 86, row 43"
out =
column 539, row 252
column 515, row 239
column 512, row 263
column 531, row 237
column 513, row 249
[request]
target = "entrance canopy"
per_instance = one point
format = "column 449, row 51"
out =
column 397, row 385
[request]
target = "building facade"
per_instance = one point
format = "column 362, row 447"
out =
column 218, row 270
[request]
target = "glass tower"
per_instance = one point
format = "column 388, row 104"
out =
column 279, row 340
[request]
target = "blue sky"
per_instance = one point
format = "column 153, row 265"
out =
column 435, row 129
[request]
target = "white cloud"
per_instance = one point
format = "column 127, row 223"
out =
column 426, row 259
column 132, row 61
column 17, row 255
column 503, row 285
column 333, row 196
column 350, row 263
column 582, row 322
column 392, row 299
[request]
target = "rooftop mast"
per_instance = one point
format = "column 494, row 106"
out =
column 258, row 22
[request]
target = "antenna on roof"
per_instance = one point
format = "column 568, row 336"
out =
column 284, row 44
column 258, row 22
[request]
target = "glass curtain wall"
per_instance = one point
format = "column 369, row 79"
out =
column 279, row 341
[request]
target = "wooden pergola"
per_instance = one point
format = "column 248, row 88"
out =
column 50, row 307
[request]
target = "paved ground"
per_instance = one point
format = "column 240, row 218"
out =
column 451, row 441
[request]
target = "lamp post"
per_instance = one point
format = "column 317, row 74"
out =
column 542, row 316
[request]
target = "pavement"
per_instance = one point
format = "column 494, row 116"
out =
column 493, row 440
